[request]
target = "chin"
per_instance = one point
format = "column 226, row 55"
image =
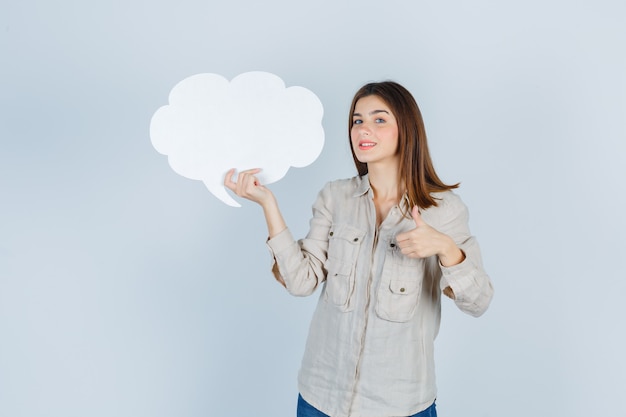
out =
column 362, row 158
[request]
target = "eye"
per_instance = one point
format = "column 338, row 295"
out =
column 357, row 121
column 380, row 120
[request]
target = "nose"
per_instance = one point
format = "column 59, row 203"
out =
column 364, row 130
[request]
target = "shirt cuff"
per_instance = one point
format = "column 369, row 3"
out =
column 280, row 242
column 459, row 277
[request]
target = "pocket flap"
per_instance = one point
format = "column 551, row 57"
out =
column 404, row 287
column 346, row 232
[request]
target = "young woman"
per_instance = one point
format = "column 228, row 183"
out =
column 383, row 246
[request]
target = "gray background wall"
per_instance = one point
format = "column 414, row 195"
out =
column 128, row 290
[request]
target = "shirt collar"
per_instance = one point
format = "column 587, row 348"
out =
column 363, row 186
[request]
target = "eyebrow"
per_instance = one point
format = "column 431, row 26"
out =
column 373, row 112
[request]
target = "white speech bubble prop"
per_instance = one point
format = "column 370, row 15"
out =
column 212, row 125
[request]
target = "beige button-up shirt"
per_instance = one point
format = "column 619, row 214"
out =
column 369, row 352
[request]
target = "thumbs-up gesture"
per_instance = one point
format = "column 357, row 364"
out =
column 424, row 241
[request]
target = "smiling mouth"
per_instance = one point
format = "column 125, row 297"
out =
column 366, row 145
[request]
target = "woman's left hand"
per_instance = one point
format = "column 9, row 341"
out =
column 424, row 241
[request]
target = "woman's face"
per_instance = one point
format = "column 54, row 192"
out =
column 374, row 132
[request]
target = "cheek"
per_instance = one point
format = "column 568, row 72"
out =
column 396, row 138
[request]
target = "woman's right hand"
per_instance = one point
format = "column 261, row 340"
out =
column 248, row 186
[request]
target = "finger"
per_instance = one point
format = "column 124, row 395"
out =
column 417, row 217
column 252, row 171
column 406, row 251
column 400, row 237
column 403, row 239
column 409, row 250
column 242, row 181
column 228, row 180
column 247, row 183
column 405, row 244
column 245, row 175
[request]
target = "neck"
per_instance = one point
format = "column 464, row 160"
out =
column 385, row 182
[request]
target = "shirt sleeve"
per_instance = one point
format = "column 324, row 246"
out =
column 300, row 265
column 472, row 286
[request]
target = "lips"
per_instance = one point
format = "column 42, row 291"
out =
column 364, row 144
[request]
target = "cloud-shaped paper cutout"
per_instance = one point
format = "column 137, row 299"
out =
column 253, row 121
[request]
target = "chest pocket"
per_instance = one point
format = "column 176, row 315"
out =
column 400, row 287
column 344, row 244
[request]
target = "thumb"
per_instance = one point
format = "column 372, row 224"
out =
column 417, row 217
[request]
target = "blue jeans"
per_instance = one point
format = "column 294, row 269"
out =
column 307, row 410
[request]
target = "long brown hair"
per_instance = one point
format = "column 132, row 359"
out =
column 416, row 167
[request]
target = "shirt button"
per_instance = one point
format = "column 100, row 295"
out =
column 332, row 233
column 356, row 239
column 392, row 245
column 402, row 289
